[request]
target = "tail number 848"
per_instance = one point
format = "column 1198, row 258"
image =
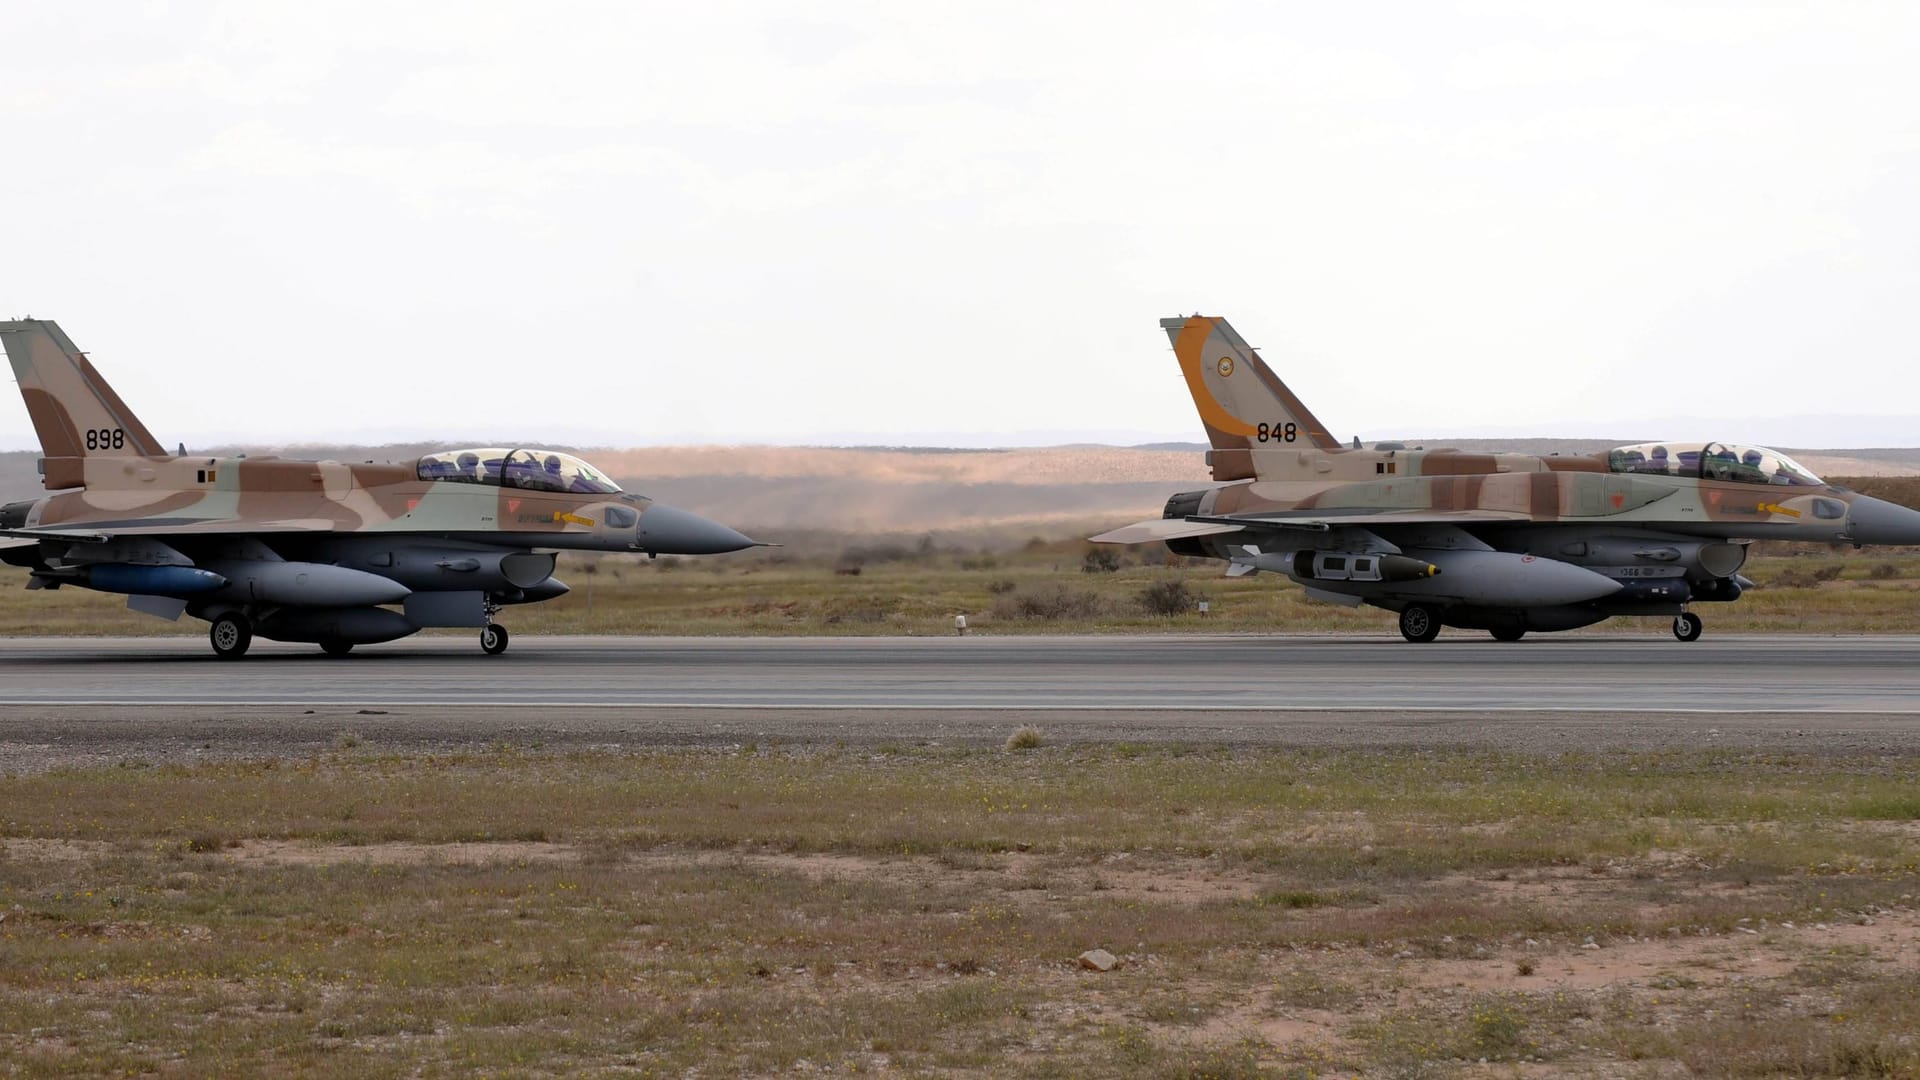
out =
column 1276, row 432
column 106, row 439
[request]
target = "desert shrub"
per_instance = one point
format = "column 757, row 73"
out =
column 1792, row 579
column 861, row 555
column 1001, row 587
column 1170, row 597
column 1883, row 571
column 855, row 610
column 1100, row 560
column 1048, row 603
column 1026, row 738
column 979, row 562
column 1829, row 572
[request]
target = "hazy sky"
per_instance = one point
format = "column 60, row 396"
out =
column 632, row 223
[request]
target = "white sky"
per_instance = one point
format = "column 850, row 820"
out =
column 632, row 223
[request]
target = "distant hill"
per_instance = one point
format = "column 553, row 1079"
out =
column 771, row 490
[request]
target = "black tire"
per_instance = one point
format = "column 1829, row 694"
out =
column 230, row 635
column 336, row 647
column 1508, row 633
column 1687, row 626
column 1419, row 622
column 493, row 639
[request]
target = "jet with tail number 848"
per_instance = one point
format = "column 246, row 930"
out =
column 1505, row 543
column 314, row 551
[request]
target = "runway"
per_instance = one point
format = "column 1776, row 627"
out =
column 1725, row 675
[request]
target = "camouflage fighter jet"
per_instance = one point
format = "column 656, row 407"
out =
column 315, row 551
column 1505, row 543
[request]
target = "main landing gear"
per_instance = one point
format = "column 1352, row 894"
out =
column 230, row 635
column 1418, row 622
column 1687, row 626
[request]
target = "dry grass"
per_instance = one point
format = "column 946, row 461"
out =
column 766, row 911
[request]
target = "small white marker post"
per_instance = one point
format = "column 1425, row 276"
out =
column 960, row 625
column 1203, row 609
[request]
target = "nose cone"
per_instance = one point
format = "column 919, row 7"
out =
column 1875, row 521
column 667, row 530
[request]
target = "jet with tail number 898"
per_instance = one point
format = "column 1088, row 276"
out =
column 315, row 551
column 1505, row 543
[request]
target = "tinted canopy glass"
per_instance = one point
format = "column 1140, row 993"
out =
column 536, row 470
column 1714, row 461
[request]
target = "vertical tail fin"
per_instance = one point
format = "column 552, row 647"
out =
column 75, row 413
column 1243, row 404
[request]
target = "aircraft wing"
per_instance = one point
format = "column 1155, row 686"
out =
column 1144, row 532
column 1306, row 519
column 73, row 535
column 99, row 532
column 1298, row 521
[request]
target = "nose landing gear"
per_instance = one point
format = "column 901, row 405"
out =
column 493, row 636
column 493, row 639
column 1687, row 626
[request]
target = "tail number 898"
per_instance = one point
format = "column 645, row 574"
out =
column 106, row 439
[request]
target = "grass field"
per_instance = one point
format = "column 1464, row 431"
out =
column 918, row 910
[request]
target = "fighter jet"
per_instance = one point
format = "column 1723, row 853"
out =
column 1507, row 543
column 311, row 551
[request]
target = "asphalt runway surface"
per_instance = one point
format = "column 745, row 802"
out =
column 80, row 698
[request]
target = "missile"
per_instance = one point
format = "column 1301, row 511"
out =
column 303, row 584
column 152, row 580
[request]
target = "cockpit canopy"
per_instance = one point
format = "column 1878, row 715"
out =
column 536, row 470
column 1714, row 461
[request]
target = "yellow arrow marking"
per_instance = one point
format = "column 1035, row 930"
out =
column 562, row 515
column 1771, row 508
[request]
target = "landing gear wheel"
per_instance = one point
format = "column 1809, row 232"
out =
column 336, row 647
column 493, row 639
column 231, row 634
column 1687, row 626
column 1418, row 622
column 1508, row 633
